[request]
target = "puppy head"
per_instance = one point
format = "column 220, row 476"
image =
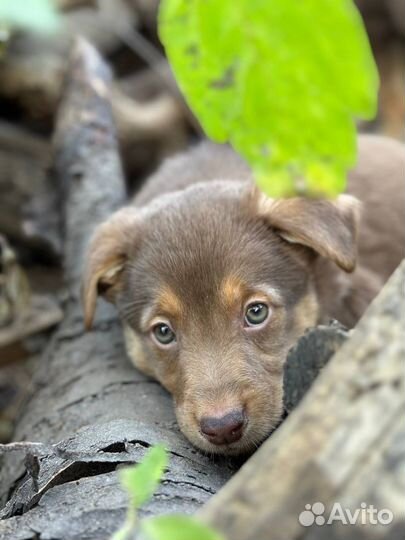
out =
column 214, row 284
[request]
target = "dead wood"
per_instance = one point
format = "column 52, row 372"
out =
column 42, row 314
column 148, row 132
column 345, row 443
column 148, row 129
column 29, row 212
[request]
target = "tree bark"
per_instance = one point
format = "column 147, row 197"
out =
column 344, row 444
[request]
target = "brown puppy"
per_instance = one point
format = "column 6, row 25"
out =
column 214, row 281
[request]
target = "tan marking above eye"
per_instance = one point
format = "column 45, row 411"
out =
column 167, row 306
column 234, row 292
column 231, row 291
column 168, row 302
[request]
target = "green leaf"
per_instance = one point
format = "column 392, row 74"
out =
column 141, row 480
column 37, row 15
column 177, row 527
column 282, row 81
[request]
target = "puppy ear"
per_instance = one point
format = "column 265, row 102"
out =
column 107, row 253
column 329, row 227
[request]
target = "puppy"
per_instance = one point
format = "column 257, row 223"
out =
column 214, row 281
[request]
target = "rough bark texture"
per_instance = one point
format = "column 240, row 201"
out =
column 345, row 443
column 307, row 358
column 87, row 395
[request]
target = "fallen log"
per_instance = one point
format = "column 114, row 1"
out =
column 343, row 448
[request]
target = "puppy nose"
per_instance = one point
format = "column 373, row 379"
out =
column 223, row 429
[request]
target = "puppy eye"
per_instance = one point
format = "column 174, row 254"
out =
column 163, row 334
column 256, row 314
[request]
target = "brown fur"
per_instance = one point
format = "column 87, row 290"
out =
column 200, row 243
column 168, row 302
column 231, row 290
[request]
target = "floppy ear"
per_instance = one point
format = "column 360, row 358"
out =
column 107, row 253
column 329, row 227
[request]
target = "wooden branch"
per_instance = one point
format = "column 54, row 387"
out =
column 29, row 210
column 148, row 130
column 344, row 444
column 42, row 314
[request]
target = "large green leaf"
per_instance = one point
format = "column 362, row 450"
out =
column 281, row 80
column 177, row 527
